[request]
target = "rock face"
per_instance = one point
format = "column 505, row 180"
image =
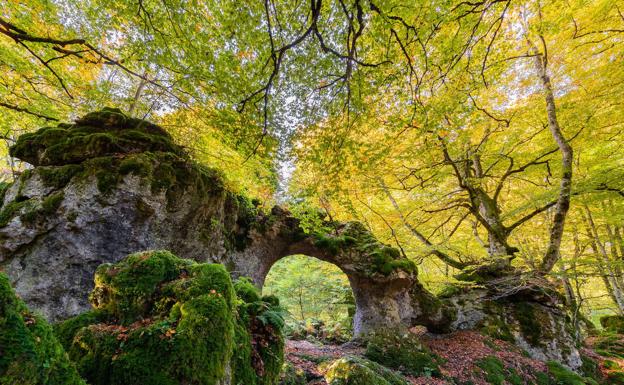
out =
column 523, row 310
column 109, row 186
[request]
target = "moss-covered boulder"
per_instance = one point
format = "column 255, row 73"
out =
column 258, row 341
column 401, row 350
column 158, row 319
column 523, row 309
column 353, row 370
column 613, row 323
column 30, row 354
column 102, row 133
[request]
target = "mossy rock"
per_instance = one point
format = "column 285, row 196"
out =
column 259, row 341
column 158, row 319
column 564, row 376
column 495, row 372
column 30, row 354
column 292, row 376
column 401, row 350
column 103, row 133
column 352, row 370
column 613, row 323
column 376, row 257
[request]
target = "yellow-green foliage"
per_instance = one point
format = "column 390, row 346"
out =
column 613, row 323
column 357, row 371
column 30, row 354
column 162, row 320
column 401, row 350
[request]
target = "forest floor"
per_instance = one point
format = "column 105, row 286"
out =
column 460, row 353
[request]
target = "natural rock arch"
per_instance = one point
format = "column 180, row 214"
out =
column 110, row 185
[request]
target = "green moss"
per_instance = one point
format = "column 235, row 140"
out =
column 52, row 202
column 495, row 324
column 449, row 291
column 542, row 379
column 59, row 177
column 162, row 320
column 589, row 367
column 139, row 164
column 401, row 350
column 243, row 372
column 4, row 187
column 66, row 330
column 532, row 322
column 615, row 378
column 357, row 371
column 613, row 323
column 246, row 290
column 564, row 376
column 258, row 337
column 10, row 210
column 496, row 373
column 31, row 355
column 494, row 370
column 291, row 376
column 158, row 319
column 377, row 257
column 125, row 289
column 610, row 344
column 103, row 133
column 333, row 244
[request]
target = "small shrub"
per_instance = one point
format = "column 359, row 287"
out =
column 613, row 323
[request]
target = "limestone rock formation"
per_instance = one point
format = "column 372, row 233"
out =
column 522, row 309
column 108, row 186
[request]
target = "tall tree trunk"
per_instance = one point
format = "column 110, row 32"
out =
column 137, row 94
column 562, row 206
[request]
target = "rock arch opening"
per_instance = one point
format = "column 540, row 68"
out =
column 316, row 295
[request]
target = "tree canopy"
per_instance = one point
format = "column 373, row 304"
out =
column 466, row 133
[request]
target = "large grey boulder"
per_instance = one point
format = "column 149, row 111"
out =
column 523, row 309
